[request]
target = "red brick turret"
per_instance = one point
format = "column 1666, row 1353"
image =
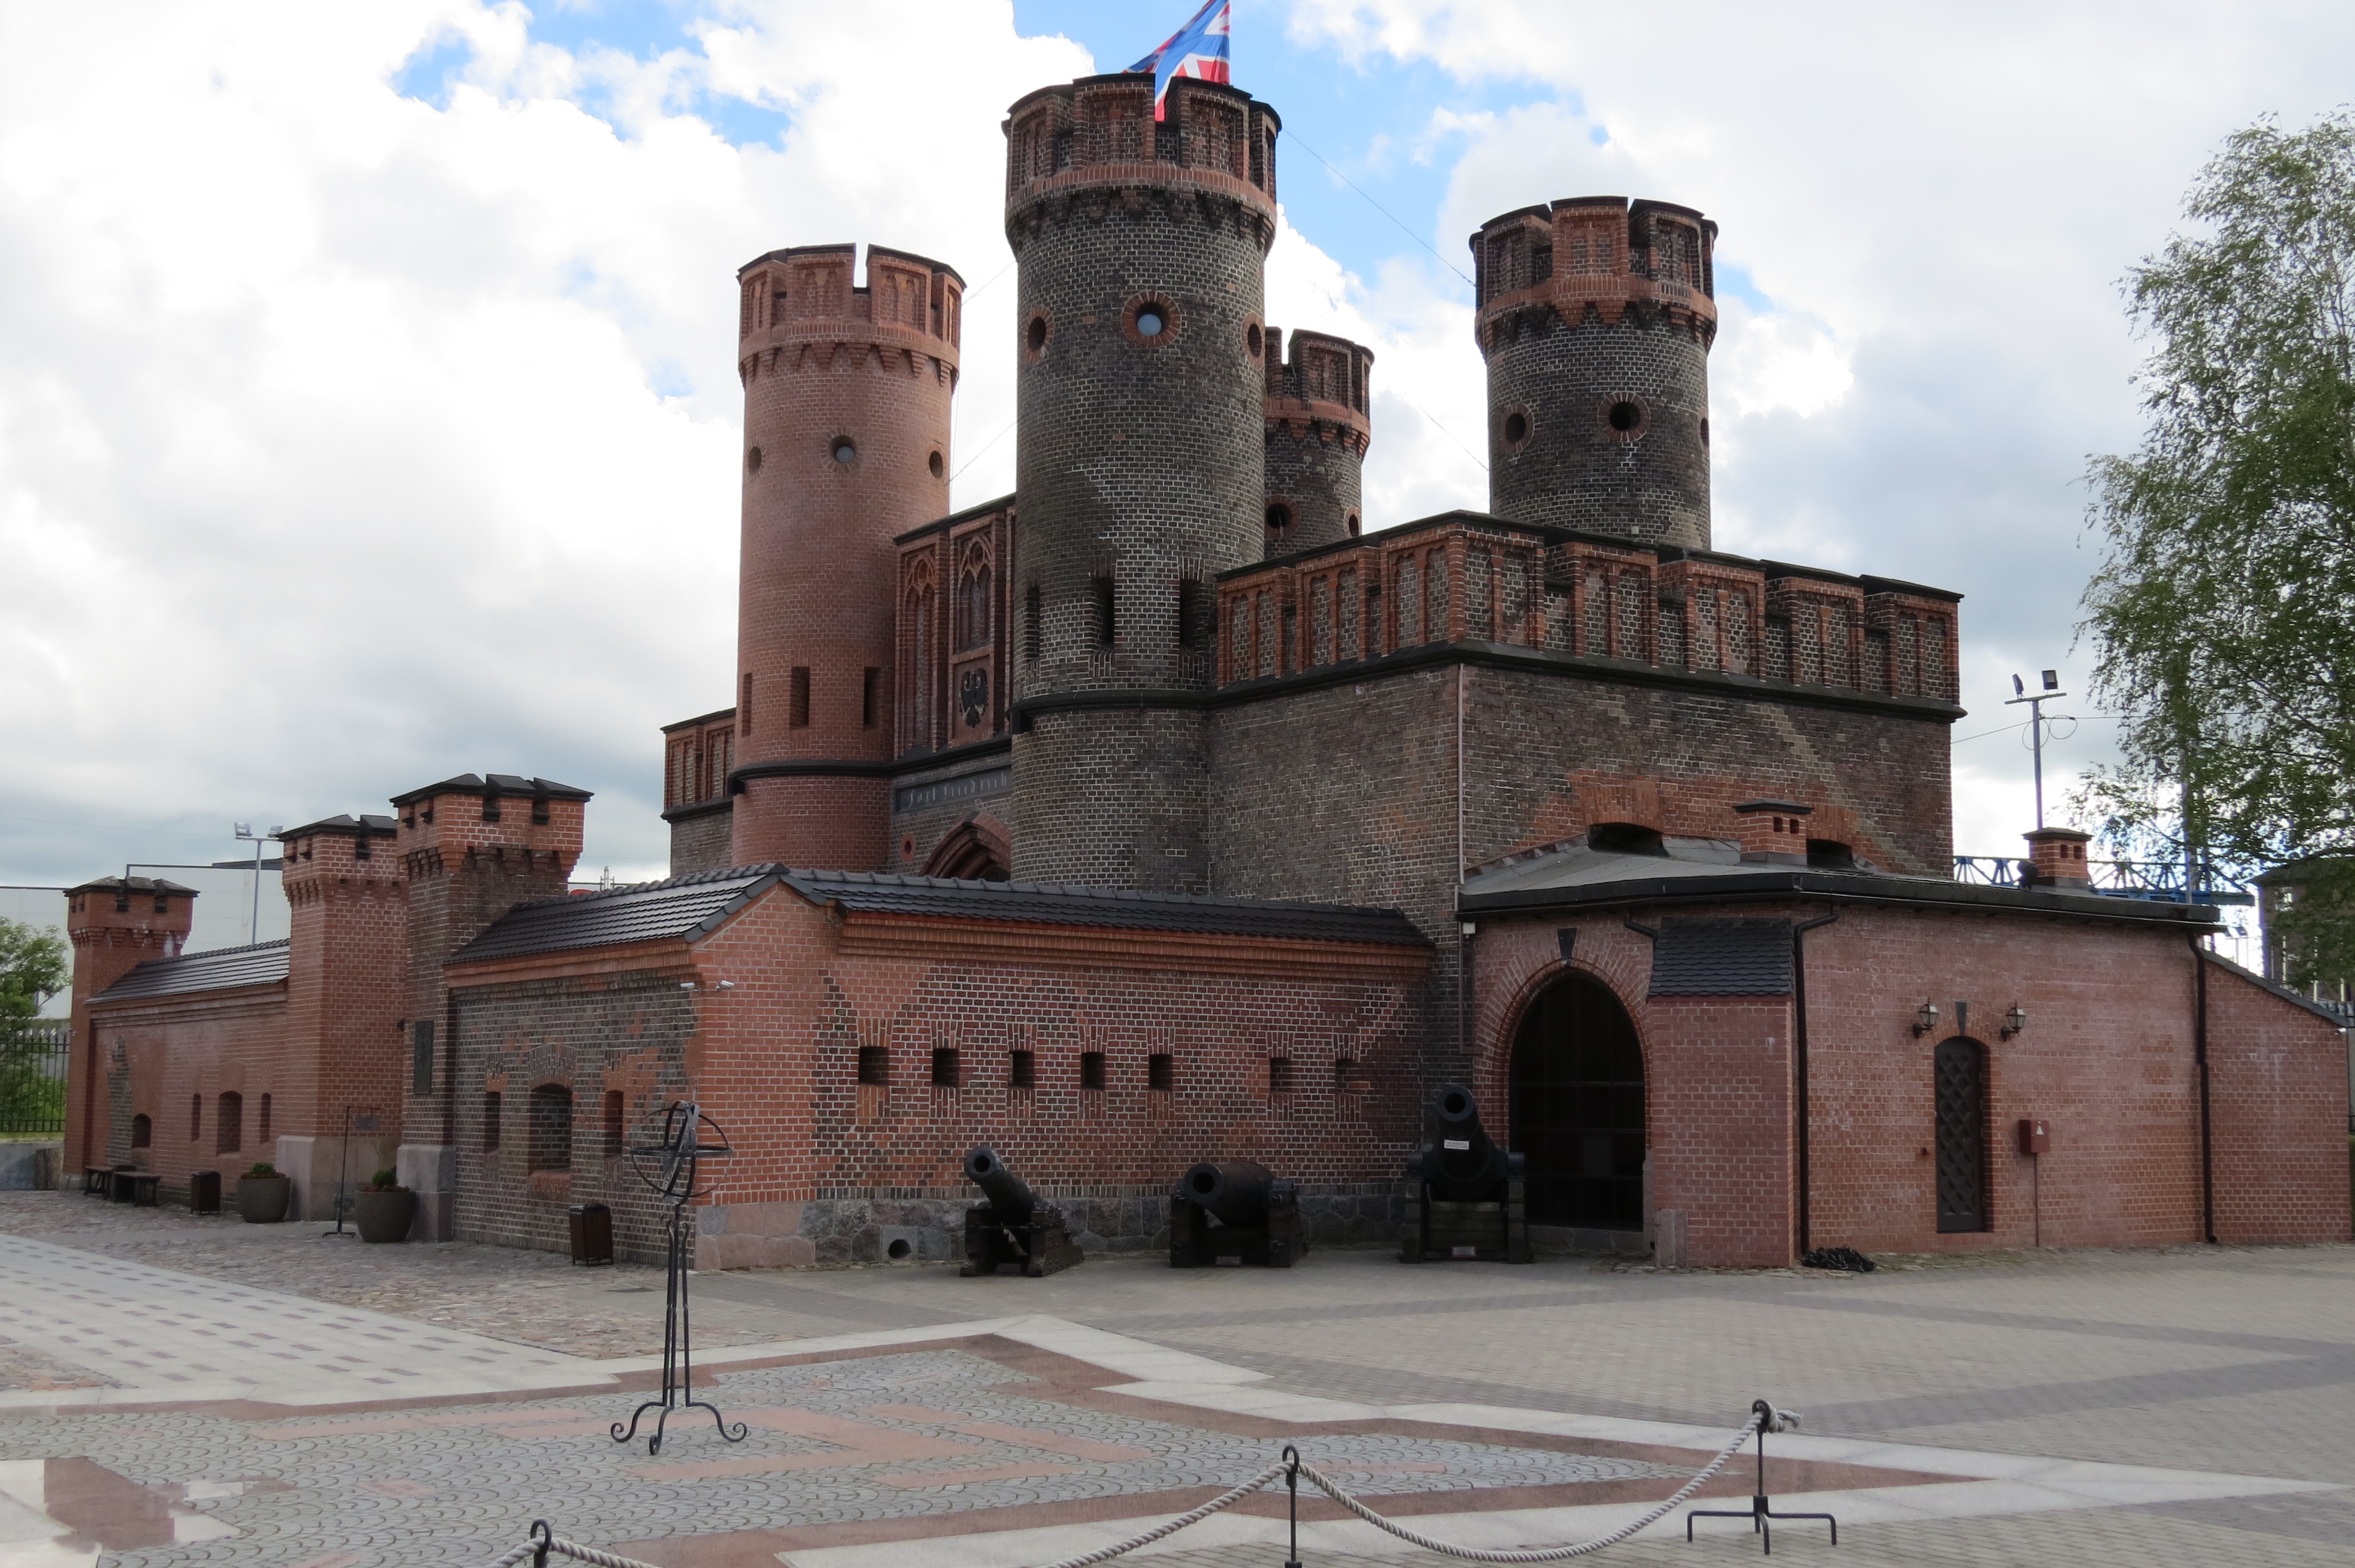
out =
column 846, row 446
column 114, row 923
column 1318, row 425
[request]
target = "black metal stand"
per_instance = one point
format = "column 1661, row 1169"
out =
column 343, row 1180
column 1292, row 1484
column 679, row 1153
column 1760, row 1511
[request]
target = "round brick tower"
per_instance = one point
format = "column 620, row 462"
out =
column 846, row 445
column 1595, row 319
column 1317, row 427
column 1140, row 414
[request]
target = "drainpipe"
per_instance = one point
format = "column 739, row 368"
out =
column 1463, row 942
column 1799, row 1070
column 2207, row 1123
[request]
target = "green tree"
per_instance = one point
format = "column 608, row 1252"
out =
column 2222, row 618
column 32, row 969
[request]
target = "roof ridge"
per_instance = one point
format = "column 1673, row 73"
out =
column 1063, row 889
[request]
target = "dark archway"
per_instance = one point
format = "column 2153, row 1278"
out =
column 1959, row 1080
column 1577, row 1106
column 976, row 850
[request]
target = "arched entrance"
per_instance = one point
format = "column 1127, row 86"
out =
column 1577, row 1100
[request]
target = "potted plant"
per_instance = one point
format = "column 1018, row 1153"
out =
column 262, row 1194
column 386, row 1209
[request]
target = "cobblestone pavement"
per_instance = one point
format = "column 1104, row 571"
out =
column 2235, row 1359
column 881, row 1437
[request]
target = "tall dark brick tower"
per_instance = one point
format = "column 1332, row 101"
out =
column 1595, row 319
column 1140, row 407
column 1317, row 427
column 846, row 445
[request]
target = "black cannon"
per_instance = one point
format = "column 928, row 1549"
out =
column 1233, row 1213
column 1466, row 1193
column 1013, row 1227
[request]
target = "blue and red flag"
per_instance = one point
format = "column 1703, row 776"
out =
column 1198, row 49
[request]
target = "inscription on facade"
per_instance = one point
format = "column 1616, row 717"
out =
column 942, row 791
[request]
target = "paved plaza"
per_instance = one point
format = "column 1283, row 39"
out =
column 180, row 1389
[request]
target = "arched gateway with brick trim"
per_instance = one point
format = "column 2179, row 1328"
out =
column 1577, row 1107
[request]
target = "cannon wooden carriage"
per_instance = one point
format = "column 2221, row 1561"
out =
column 1235, row 1214
column 1013, row 1228
column 1467, row 1199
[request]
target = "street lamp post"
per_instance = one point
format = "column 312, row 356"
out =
column 2036, row 725
column 253, row 925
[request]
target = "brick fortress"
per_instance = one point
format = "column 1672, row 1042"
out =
column 1159, row 811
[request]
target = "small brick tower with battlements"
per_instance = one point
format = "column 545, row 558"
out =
column 1140, row 418
column 1595, row 318
column 472, row 848
column 114, row 923
column 847, row 395
column 1318, row 425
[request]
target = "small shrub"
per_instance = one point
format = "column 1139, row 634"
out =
column 264, row 1167
column 385, row 1180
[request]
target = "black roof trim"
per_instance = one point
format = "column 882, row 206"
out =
column 505, row 785
column 702, row 719
column 149, row 884
column 217, row 968
column 2279, row 989
column 370, row 824
column 1001, row 504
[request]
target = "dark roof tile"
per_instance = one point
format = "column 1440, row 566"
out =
column 1722, row 958
column 221, row 969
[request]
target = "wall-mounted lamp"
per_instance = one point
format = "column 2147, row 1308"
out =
column 686, row 985
column 725, row 985
column 1925, row 1019
column 2015, row 1020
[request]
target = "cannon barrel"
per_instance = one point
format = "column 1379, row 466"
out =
column 1236, row 1190
column 1466, row 1167
column 1010, row 1202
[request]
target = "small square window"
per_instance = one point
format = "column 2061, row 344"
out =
column 490, row 808
column 1279, row 1074
column 1022, row 1070
column 874, row 1064
column 944, row 1068
column 1345, row 1075
column 1092, row 1069
column 1160, row 1071
column 540, row 814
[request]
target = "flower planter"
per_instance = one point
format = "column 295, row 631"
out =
column 385, row 1215
column 261, row 1200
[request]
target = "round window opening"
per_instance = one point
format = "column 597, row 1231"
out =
column 1704, row 432
column 1149, row 322
column 1625, row 415
column 1353, row 524
column 1036, row 333
column 844, row 451
column 1279, row 518
column 753, row 460
column 1516, row 427
column 1252, row 339
column 936, row 465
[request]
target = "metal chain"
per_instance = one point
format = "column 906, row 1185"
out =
column 544, row 1542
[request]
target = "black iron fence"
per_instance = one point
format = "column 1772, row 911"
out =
column 33, row 1075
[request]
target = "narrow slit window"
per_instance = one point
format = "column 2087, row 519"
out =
column 1100, row 594
column 1022, row 1070
column 799, row 718
column 490, row 1121
column 744, row 706
column 1160, row 1071
column 870, row 696
column 1092, row 1069
column 1032, row 611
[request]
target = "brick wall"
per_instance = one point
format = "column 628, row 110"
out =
column 2277, row 1078
column 1139, row 458
column 775, row 1058
column 701, row 838
column 1596, row 319
column 847, row 393
column 171, row 1060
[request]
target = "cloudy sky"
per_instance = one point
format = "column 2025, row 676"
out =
column 367, row 410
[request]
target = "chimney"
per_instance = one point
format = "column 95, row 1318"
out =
column 114, row 923
column 1774, row 832
column 2056, row 858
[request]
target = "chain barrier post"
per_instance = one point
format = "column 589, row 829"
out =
column 541, row 1537
column 1292, row 1485
column 1761, row 1508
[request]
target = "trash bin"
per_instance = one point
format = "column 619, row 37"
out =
column 593, row 1234
column 203, row 1192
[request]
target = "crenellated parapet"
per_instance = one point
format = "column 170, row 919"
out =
column 1471, row 579
column 1083, row 151
column 799, row 310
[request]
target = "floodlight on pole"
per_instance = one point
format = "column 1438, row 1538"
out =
column 245, row 831
column 2036, row 722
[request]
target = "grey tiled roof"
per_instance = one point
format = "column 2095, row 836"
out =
column 1053, row 903
column 222, row 969
column 647, row 911
column 687, row 906
column 1722, row 958
column 148, row 884
column 375, row 826
column 512, row 786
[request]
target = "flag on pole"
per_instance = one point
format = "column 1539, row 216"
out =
column 1198, row 49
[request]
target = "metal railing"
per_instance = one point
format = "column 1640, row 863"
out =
column 33, row 1075
column 2153, row 881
